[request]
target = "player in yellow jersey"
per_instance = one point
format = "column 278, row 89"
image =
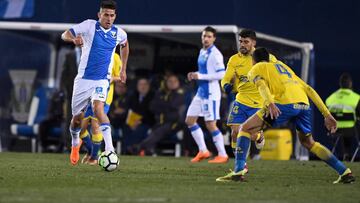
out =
column 248, row 100
column 285, row 99
column 93, row 144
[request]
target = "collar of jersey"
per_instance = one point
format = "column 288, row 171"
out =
column 103, row 29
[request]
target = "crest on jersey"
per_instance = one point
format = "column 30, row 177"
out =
column 113, row 34
column 98, row 90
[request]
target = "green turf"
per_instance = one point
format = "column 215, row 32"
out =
column 28, row 177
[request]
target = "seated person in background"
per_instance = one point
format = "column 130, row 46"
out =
column 139, row 118
column 119, row 107
column 168, row 107
column 55, row 118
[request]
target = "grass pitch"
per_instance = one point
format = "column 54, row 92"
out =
column 26, row 177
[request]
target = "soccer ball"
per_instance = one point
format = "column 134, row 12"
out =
column 108, row 161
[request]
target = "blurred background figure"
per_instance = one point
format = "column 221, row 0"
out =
column 119, row 110
column 344, row 105
column 50, row 140
column 168, row 106
column 139, row 118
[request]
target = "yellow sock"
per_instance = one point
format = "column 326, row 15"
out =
column 320, row 151
column 84, row 134
column 233, row 144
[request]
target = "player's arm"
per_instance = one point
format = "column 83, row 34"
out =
column 263, row 90
column 329, row 120
column 68, row 36
column 314, row 96
column 212, row 76
column 75, row 33
column 124, row 53
column 226, row 82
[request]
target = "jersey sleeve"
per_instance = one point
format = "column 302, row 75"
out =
column 81, row 28
column 229, row 73
column 218, row 62
column 121, row 36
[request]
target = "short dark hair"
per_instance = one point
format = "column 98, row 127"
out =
column 247, row 33
column 260, row 54
column 210, row 29
column 345, row 80
column 109, row 4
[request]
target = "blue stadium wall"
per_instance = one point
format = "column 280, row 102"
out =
column 330, row 25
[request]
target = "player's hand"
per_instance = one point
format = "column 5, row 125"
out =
column 330, row 123
column 273, row 110
column 189, row 76
column 123, row 76
column 228, row 88
column 78, row 41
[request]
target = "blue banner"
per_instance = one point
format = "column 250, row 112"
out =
column 10, row 9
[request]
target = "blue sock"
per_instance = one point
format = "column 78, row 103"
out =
column 242, row 148
column 336, row 164
column 88, row 144
column 324, row 154
column 95, row 150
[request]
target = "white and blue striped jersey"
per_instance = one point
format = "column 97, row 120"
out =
column 97, row 51
column 211, row 70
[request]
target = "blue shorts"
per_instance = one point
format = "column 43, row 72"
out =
column 299, row 114
column 90, row 114
column 240, row 113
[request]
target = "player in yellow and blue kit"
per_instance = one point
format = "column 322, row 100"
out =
column 93, row 144
column 248, row 100
column 285, row 99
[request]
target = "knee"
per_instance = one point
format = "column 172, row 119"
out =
column 189, row 122
column 211, row 126
column 97, row 111
column 234, row 133
column 306, row 141
column 76, row 121
column 244, row 128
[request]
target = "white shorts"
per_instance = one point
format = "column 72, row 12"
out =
column 86, row 91
column 209, row 109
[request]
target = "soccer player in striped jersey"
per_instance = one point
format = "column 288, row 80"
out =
column 206, row 102
column 98, row 40
column 285, row 99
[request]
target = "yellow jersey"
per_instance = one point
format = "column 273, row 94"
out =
column 115, row 72
column 285, row 86
column 236, row 73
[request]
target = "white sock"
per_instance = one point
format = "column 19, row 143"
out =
column 106, row 131
column 219, row 142
column 198, row 136
column 75, row 136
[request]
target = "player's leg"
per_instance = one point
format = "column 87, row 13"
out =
column 303, row 125
column 191, row 118
column 218, row 140
column 211, row 112
column 86, row 139
column 345, row 175
column 104, row 122
column 198, row 136
column 98, row 103
column 75, row 128
column 250, row 127
column 97, row 139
